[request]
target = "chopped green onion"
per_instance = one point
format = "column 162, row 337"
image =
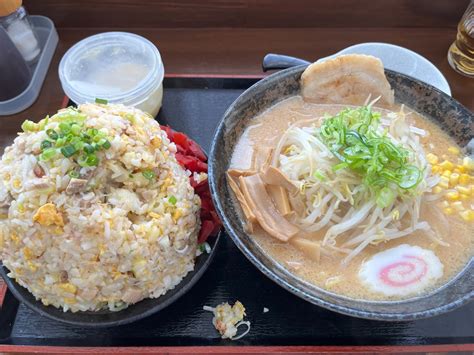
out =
column 88, row 149
column 385, row 197
column 60, row 142
column 73, row 174
column 48, row 154
column 71, row 139
column 172, row 199
column 92, row 160
column 319, row 175
column 101, row 101
column 409, row 177
column 29, row 126
column 92, row 132
column 78, row 145
column 82, row 160
column 68, row 151
column 46, row 144
column 354, row 137
column 65, row 127
column 69, row 115
column 52, row 134
column 340, row 166
column 202, row 248
column 42, row 124
column 75, row 129
column 106, row 144
column 86, row 137
column 148, row 174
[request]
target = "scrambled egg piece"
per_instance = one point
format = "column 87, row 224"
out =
column 48, row 215
column 228, row 318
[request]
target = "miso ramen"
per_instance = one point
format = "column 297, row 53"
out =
column 364, row 202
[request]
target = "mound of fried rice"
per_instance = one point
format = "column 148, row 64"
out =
column 108, row 235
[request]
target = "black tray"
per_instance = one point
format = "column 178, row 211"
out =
column 195, row 106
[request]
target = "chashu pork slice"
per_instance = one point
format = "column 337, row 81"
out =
column 346, row 79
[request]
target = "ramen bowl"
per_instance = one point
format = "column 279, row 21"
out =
column 455, row 120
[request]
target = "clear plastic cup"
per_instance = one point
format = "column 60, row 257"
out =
column 119, row 67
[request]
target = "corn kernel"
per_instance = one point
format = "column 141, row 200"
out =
column 464, row 179
column 32, row 266
column 178, row 213
column 464, row 197
column 454, row 179
column 447, row 173
column 57, row 230
column 140, row 131
column 138, row 267
column 462, row 169
column 69, row 300
column 16, row 184
column 154, row 215
column 468, row 163
column 435, row 169
column 447, row 165
column 453, row 195
column 437, row 189
column 463, row 189
column 457, row 171
column 458, row 206
column 68, row 287
column 448, row 210
column 467, row 215
column 444, row 182
column 432, row 159
column 27, row 253
column 14, row 237
column 155, row 142
column 453, row 150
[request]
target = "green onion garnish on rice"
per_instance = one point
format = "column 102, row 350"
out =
column 101, row 101
column 73, row 174
column 29, row 126
column 148, row 174
column 70, row 138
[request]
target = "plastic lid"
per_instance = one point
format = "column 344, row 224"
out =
column 120, row 67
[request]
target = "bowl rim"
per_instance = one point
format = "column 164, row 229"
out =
column 16, row 289
column 275, row 276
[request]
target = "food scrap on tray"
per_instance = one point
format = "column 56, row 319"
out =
column 360, row 196
column 227, row 319
column 101, row 208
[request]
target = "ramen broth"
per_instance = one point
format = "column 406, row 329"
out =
column 328, row 273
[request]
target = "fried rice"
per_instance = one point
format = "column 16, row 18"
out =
column 100, row 216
